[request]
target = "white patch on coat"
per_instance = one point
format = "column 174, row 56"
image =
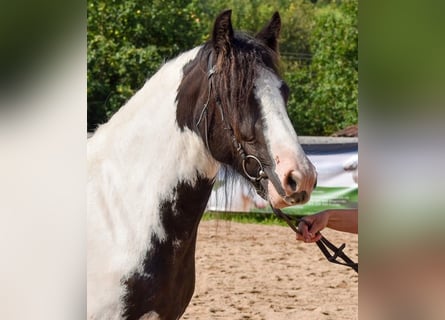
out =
column 279, row 133
column 150, row 316
column 134, row 162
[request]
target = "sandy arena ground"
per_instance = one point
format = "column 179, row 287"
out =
column 250, row 271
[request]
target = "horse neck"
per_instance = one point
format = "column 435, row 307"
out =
column 141, row 155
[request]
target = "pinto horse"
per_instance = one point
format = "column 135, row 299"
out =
column 152, row 167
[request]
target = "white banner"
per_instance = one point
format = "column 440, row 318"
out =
column 337, row 168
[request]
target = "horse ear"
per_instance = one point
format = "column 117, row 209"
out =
column 223, row 32
column 270, row 33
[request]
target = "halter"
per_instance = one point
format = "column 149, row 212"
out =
column 264, row 173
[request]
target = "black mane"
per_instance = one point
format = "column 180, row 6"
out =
column 235, row 74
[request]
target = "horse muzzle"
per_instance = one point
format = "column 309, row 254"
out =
column 292, row 188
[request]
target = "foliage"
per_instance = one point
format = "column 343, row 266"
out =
column 129, row 39
column 252, row 15
column 325, row 92
column 127, row 42
column 265, row 218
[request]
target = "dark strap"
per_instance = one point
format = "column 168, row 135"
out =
column 324, row 244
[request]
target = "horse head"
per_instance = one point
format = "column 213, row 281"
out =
column 238, row 101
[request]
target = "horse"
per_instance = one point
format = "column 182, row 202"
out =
column 152, row 166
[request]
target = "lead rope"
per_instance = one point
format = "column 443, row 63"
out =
column 324, row 244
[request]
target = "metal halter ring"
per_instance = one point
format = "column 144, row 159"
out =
column 261, row 173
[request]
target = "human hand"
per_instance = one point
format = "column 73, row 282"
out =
column 310, row 226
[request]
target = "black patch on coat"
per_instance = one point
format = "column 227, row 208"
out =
column 167, row 282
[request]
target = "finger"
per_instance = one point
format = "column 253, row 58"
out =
column 317, row 237
column 310, row 240
column 316, row 227
column 303, row 228
column 300, row 237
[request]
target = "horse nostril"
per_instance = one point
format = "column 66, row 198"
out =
column 292, row 181
column 296, row 198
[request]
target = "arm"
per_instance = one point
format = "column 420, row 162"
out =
column 338, row 219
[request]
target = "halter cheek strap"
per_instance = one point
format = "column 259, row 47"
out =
column 203, row 114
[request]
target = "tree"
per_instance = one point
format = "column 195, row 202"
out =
column 127, row 42
column 325, row 93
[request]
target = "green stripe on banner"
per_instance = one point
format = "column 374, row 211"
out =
column 322, row 198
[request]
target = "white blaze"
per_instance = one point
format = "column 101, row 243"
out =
column 280, row 135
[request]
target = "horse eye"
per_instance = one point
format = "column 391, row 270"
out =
column 247, row 137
